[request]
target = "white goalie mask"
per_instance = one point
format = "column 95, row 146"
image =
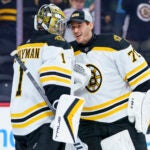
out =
column 50, row 18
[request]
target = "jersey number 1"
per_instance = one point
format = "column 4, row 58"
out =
column 19, row 91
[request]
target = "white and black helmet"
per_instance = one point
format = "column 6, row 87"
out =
column 50, row 18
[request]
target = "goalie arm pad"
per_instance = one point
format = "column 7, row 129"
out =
column 66, row 122
column 138, row 110
column 82, row 75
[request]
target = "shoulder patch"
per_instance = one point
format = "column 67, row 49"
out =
column 59, row 38
column 117, row 38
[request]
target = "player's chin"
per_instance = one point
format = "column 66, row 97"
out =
column 79, row 40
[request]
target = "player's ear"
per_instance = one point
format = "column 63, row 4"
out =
column 91, row 25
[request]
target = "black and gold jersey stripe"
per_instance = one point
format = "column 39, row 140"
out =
column 105, row 109
column 26, row 118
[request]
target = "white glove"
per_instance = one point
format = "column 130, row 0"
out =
column 139, row 110
column 82, row 75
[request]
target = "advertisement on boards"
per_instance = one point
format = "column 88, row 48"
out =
column 6, row 137
column 148, row 141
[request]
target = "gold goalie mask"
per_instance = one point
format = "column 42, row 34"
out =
column 50, row 18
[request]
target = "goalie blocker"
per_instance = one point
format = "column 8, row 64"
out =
column 66, row 122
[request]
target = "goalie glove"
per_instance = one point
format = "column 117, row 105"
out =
column 138, row 111
column 82, row 75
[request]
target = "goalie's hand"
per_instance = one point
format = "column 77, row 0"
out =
column 82, row 75
column 138, row 111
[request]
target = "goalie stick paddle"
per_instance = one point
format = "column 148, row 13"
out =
column 78, row 145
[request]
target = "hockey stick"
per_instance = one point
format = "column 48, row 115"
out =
column 78, row 145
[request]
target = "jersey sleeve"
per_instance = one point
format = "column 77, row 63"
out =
column 132, row 66
column 56, row 71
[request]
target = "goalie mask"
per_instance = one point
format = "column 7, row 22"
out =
column 50, row 18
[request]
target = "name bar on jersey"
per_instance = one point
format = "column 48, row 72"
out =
column 29, row 50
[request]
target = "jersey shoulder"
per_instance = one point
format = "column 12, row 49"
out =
column 112, row 41
column 103, row 40
column 50, row 39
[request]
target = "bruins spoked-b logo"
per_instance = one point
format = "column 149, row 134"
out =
column 96, row 79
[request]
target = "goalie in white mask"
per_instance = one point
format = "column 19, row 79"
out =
column 117, row 71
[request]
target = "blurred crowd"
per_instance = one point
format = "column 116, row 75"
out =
column 128, row 19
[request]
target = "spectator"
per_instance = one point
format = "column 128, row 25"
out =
column 88, row 3
column 8, row 18
column 29, row 9
column 63, row 4
column 7, row 26
column 137, row 30
column 119, row 18
column 107, row 15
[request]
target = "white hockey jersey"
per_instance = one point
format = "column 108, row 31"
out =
column 116, row 69
column 49, row 59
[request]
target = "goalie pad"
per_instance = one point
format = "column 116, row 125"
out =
column 82, row 75
column 139, row 111
column 66, row 122
column 119, row 141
